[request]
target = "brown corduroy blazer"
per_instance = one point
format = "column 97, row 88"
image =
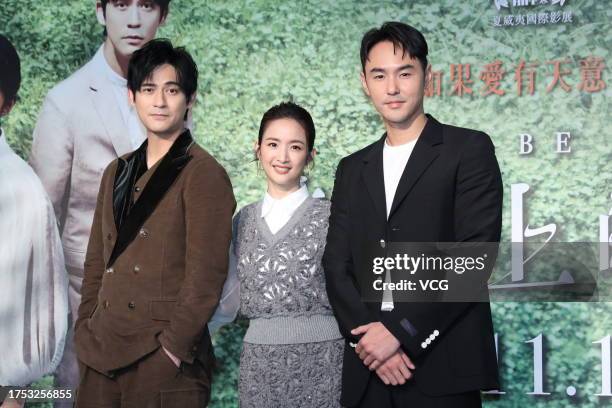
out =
column 156, row 280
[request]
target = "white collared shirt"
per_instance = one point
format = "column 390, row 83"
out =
column 136, row 131
column 277, row 212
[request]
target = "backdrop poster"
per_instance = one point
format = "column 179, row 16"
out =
column 533, row 74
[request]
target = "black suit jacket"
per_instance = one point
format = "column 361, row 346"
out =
column 450, row 191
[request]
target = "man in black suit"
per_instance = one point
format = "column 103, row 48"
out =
column 422, row 181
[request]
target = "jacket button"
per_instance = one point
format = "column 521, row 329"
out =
column 137, row 189
column 144, row 233
column 105, row 304
column 132, row 305
column 382, row 243
column 423, row 345
column 136, row 268
column 110, row 270
column 436, row 332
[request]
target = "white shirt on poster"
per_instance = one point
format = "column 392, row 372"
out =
column 136, row 131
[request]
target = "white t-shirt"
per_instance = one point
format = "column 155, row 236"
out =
column 394, row 163
column 395, row 159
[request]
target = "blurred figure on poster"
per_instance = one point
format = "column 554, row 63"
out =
column 157, row 257
column 292, row 350
column 33, row 281
column 422, row 181
column 84, row 124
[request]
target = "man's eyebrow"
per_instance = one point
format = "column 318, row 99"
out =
column 405, row 66
column 400, row 68
column 152, row 84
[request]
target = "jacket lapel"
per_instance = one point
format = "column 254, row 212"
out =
column 373, row 177
column 422, row 156
column 169, row 169
column 104, row 101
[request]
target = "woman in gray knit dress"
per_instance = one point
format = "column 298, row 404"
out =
column 292, row 351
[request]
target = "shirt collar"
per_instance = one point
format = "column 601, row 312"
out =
column 404, row 146
column 103, row 65
column 4, row 146
column 286, row 205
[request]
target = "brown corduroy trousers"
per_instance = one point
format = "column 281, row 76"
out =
column 151, row 382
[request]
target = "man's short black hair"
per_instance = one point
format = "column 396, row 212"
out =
column 163, row 6
column 156, row 53
column 10, row 71
column 407, row 38
column 289, row 110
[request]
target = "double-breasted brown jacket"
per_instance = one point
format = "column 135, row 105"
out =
column 156, row 261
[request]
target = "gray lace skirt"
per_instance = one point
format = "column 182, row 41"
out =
column 291, row 375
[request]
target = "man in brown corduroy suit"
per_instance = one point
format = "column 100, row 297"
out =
column 158, row 252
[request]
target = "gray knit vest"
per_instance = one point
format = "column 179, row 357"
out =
column 282, row 284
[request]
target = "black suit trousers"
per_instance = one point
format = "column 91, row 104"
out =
column 379, row 395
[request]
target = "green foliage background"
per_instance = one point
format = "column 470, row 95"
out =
column 254, row 54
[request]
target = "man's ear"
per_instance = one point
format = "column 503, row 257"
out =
column 131, row 97
column 163, row 18
column 364, row 83
column 100, row 13
column 191, row 101
column 4, row 110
